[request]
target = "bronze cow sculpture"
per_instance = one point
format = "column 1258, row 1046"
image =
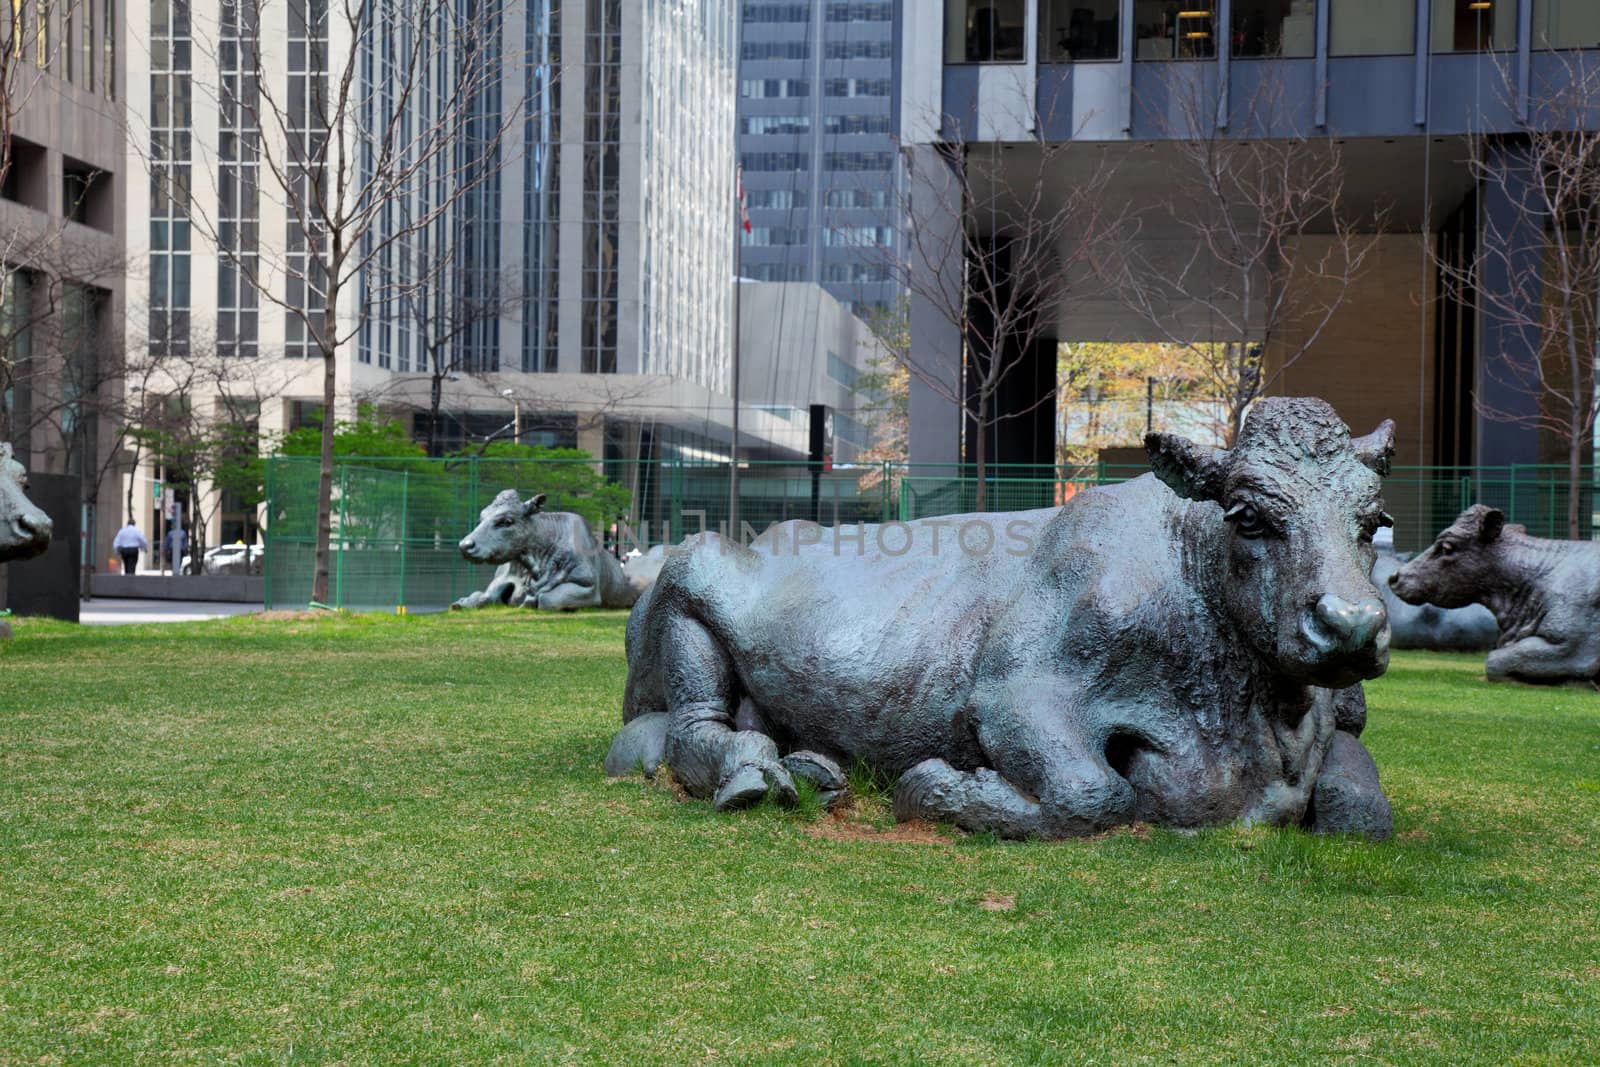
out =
column 1170, row 650
column 24, row 529
column 1545, row 594
column 549, row 560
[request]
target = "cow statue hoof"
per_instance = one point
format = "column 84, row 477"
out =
column 639, row 746
column 824, row 775
column 1348, row 798
column 1185, row 648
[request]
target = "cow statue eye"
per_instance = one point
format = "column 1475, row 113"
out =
column 1446, row 548
column 504, row 521
column 1246, row 520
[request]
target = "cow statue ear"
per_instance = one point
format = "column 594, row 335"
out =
column 534, row 505
column 1186, row 468
column 1376, row 449
column 5, row 451
column 1491, row 526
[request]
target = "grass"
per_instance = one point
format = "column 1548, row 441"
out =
column 369, row 839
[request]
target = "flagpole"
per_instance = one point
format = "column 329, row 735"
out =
column 733, row 450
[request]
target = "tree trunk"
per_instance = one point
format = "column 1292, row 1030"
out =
column 435, row 390
column 320, row 569
column 1575, row 479
column 981, row 453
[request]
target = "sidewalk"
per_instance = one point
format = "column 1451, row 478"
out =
column 108, row 611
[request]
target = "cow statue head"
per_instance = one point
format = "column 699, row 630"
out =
column 1300, row 503
column 504, row 531
column 24, row 529
column 1460, row 566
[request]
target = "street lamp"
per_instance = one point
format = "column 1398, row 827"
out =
column 516, row 413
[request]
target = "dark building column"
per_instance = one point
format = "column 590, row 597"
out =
column 1509, row 244
column 934, row 433
column 1024, row 426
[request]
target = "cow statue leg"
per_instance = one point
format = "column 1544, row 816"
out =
column 1043, row 780
column 1537, row 659
column 1347, row 797
column 567, row 596
column 736, row 768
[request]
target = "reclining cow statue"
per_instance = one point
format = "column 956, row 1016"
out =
column 1545, row 595
column 1183, row 649
column 549, row 560
column 24, row 529
column 1470, row 628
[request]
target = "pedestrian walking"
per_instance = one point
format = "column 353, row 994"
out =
column 128, row 543
column 177, row 545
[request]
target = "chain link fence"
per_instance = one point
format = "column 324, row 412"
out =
column 395, row 524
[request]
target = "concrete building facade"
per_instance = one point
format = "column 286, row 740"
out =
column 817, row 127
column 1406, row 90
column 61, row 231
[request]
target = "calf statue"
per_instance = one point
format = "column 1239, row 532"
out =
column 549, row 560
column 1184, row 649
column 24, row 529
column 1545, row 595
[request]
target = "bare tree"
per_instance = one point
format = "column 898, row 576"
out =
column 412, row 108
column 998, row 274
column 1269, row 249
column 1545, row 256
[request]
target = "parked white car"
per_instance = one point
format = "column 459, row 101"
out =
column 229, row 559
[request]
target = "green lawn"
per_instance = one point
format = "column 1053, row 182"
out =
column 385, row 840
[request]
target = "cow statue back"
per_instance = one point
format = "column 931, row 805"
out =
column 1185, row 649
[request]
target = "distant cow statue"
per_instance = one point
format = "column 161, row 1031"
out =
column 549, row 560
column 1470, row 628
column 1183, row 649
column 24, row 529
column 1544, row 594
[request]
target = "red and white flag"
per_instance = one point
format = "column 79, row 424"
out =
column 744, row 210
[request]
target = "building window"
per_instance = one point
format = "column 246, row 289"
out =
column 774, row 88
column 1566, row 24
column 775, row 50
column 777, row 199
column 1164, row 29
column 859, row 124
column 1274, row 28
column 1474, row 25
column 602, row 186
column 541, row 192
column 171, row 120
column 853, row 87
column 754, row 13
column 238, row 180
column 1371, row 28
column 859, row 50
column 853, row 161
column 984, row 31
column 878, row 12
column 857, row 198
column 771, row 124
column 775, row 235
column 775, row 161
column 1076, row 30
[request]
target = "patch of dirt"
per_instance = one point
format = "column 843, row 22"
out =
column 663, row 779
column 992, row 901
column 915, row 832
column 282, row 615
column 1412, row 837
